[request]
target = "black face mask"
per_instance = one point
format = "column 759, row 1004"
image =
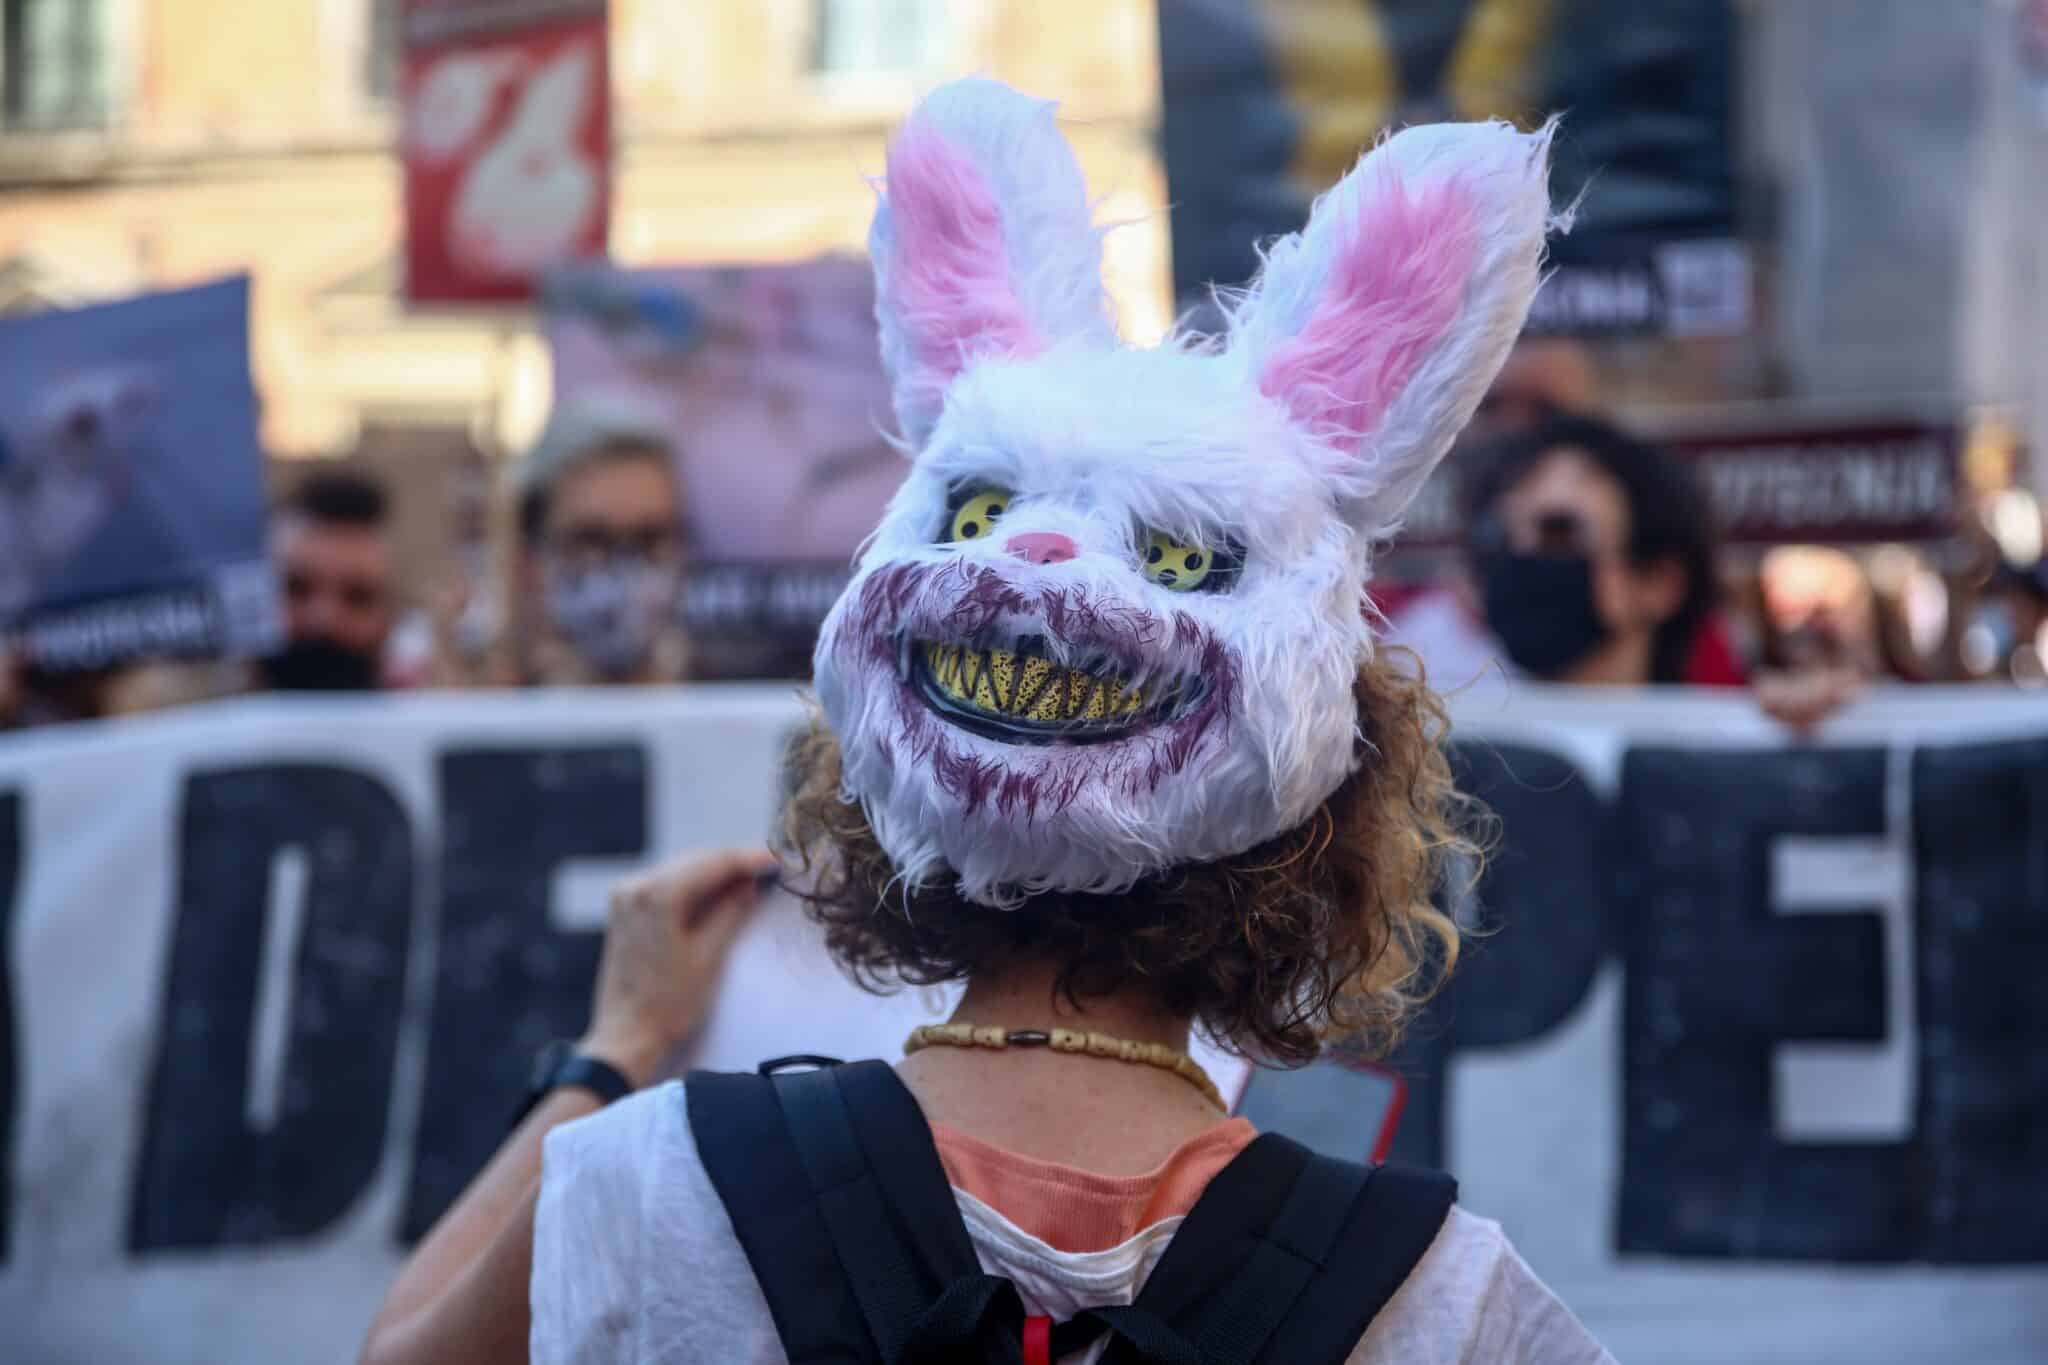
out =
column 318, row 664
column 1541, row 609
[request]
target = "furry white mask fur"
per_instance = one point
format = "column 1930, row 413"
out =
column 1112, row 619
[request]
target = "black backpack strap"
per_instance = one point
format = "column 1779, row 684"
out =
column 1286, row 1257
column 753, row 1164
column 836, row 1193
column 1395, row 1222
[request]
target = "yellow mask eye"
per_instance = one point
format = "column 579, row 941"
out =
column 1175, row 565
column 978, row 516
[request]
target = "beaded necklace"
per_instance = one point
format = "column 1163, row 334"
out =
column 1068, row 1040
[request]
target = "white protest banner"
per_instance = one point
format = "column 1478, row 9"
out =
column 1751, row 1067
column 280, row 967
column 1751, row 1070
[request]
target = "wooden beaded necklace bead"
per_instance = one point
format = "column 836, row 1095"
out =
column 1068, row 1040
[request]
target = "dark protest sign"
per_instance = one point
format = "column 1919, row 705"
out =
column 132, row 516
column 1748, row 1065
column 507, row 143
column 1268, row 102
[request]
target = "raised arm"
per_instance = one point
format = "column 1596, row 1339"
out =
column 462, row 1295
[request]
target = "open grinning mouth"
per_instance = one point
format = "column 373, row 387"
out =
column 1020, row 695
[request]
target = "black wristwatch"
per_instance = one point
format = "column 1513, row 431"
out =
column 559, row 1064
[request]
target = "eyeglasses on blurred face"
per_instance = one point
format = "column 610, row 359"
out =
column 620, row 509
column 590, row 543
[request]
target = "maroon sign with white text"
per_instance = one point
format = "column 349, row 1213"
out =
column 1842, row 484
column 1851, row 485
column 507, row 143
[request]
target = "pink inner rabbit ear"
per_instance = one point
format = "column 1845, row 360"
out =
column 1393, row 287
column 1379, row 326
column 982, row 244
column 948, row 290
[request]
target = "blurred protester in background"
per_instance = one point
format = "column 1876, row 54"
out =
column 2007, row 632
column 1900, row 589
column 601, row 523
column 1822, row 634
column 1543, row 377
column 1594, row 555
column 1593, row 562
column 331, row 541
column 453, row 640
column 30, row 696
column 1819, row 611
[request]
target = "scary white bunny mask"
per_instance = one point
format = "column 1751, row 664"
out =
column 1112, row 619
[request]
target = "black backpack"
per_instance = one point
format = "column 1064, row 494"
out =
column 834, row 1187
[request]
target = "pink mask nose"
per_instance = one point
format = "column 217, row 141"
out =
column 1042, row 547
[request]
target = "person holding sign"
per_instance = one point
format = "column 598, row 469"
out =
column 1591, row 556
column 1102, row 734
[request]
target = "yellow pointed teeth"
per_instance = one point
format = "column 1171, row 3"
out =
column 1016, row 686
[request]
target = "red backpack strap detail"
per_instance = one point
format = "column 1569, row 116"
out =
column 1037, row 1340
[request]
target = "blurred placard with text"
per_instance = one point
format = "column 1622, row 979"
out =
column 765, row 383
column 131, row 487
column 1268, row 102
column 506, row 118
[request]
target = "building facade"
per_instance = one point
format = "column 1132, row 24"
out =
column 147, row 144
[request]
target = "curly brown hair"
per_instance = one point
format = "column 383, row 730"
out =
column 1328, row 931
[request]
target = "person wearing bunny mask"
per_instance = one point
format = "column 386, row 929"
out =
column 1102, row 733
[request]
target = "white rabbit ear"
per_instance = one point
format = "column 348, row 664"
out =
column 983, row 243
column 1381, row 324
